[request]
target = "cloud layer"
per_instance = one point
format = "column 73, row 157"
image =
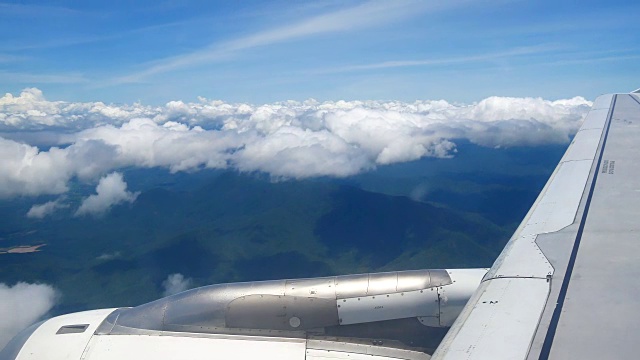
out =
column 287, row 139
column 22, row 305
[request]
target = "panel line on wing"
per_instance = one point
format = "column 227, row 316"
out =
column 634, row 98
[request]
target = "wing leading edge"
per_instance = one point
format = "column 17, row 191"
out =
column 567, row 281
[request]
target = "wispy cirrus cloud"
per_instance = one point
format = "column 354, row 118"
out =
column 34, row 78
column 592, row 59
column 33, row 10
column 58, row 42
column 82, row 39
column 515, row 52
column 366, row 15
column 6, row 58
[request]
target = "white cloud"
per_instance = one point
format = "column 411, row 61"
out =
column 22, row 305
column 34, row 78
column 361, row 16
column 109, row 256
column 175, row 283
column 39, row 211
column 28, row 171
column 31, row 111
column 111, row 190
column 514, row 52
column 287, row 139
column 419, row 192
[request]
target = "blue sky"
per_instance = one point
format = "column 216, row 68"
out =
column 266, row 51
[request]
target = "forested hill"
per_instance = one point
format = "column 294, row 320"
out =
column 234, row 227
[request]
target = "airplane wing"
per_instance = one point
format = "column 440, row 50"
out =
column 567, row 285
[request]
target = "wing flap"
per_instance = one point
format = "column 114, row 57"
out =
column 495, row 322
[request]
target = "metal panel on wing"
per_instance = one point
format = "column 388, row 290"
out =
column 388, row 306
column 319, row 287
column 279, row 312
column 505, row 315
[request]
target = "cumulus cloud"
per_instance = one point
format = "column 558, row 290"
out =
column 175, row 283
column 111, row 190
column 288, row 139
column 22, row 305
column 30, row 110
column 40, row 211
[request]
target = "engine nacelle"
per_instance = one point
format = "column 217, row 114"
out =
column 405, row 306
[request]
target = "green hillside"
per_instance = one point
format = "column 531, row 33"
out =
column 237, row 228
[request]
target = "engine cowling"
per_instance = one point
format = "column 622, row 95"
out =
column 414, row 308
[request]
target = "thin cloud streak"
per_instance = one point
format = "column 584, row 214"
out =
column 27, row 78
column 58, row 43
column 598, row 20
column 73, row 41
column 5, row 58
column 355, row 18
column 594, row 60
column 520, row 51
column 22, row 10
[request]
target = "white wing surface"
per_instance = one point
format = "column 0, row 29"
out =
column 567, row 285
